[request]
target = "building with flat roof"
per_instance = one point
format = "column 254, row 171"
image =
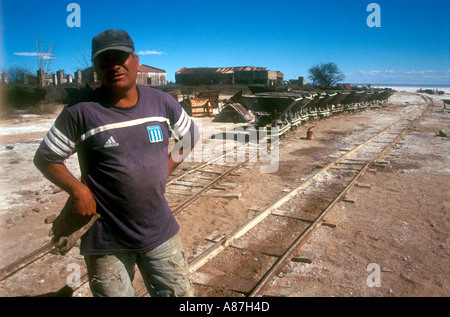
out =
column 228, row 75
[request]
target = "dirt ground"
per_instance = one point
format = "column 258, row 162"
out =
column 398, row 228
column 392, row 241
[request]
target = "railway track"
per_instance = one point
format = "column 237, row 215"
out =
column 277, row 245
column 196, row 181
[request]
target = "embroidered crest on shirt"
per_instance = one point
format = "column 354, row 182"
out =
column 111, row 142
column 155, row 133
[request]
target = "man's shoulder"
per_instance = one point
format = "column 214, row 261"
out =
column 86, row 97
column 154, row 92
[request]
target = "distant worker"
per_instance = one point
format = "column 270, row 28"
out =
column 121, row 133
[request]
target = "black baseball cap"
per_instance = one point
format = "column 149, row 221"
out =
column 112, row 40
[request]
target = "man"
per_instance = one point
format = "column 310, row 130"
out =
column 121, row 132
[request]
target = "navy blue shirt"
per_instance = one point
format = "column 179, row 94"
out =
column 123, row 157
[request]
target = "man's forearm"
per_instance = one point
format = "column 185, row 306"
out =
column 83, row 201
column 172, row 164
column 59, row 175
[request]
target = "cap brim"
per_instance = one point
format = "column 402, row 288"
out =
column 113, row 48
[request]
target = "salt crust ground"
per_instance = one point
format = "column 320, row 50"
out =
column 399, row 225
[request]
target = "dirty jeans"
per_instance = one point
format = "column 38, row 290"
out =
column 164, row 270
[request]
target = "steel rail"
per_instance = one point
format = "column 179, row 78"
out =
column 25, row 261
column 219, row 246
column 207, row 187
column 198, row 167
column 210, row 253
column 198, row 262
column 276, row 268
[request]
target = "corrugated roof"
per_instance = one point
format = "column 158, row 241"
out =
column 150, row 69
column 197, row 70
column 222, row 70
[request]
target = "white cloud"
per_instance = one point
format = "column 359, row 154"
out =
column 404, row 77
column 44, row 56
column 150, row 53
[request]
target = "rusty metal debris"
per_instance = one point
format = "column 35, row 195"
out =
column 198, row 107
column 233, row 112
column 202, row 105
column 283, row 109
column 286, row 110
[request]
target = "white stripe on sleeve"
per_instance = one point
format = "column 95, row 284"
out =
column 182, row 125
column 59, row 143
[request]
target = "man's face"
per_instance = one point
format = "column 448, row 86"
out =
column 117, row 70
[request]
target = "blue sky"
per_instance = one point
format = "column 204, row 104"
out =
column 411, row 46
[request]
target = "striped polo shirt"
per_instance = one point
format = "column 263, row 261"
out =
column 123, row 157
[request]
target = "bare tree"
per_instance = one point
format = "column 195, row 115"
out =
column 325, row 74
column 84, row 60
column 15, row 73
column 44, row 55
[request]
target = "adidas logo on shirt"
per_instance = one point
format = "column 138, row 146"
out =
column 111, row 142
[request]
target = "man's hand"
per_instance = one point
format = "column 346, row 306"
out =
column 68, row 227
column 83, row 203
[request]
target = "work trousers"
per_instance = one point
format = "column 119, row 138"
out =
column 164, row 270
